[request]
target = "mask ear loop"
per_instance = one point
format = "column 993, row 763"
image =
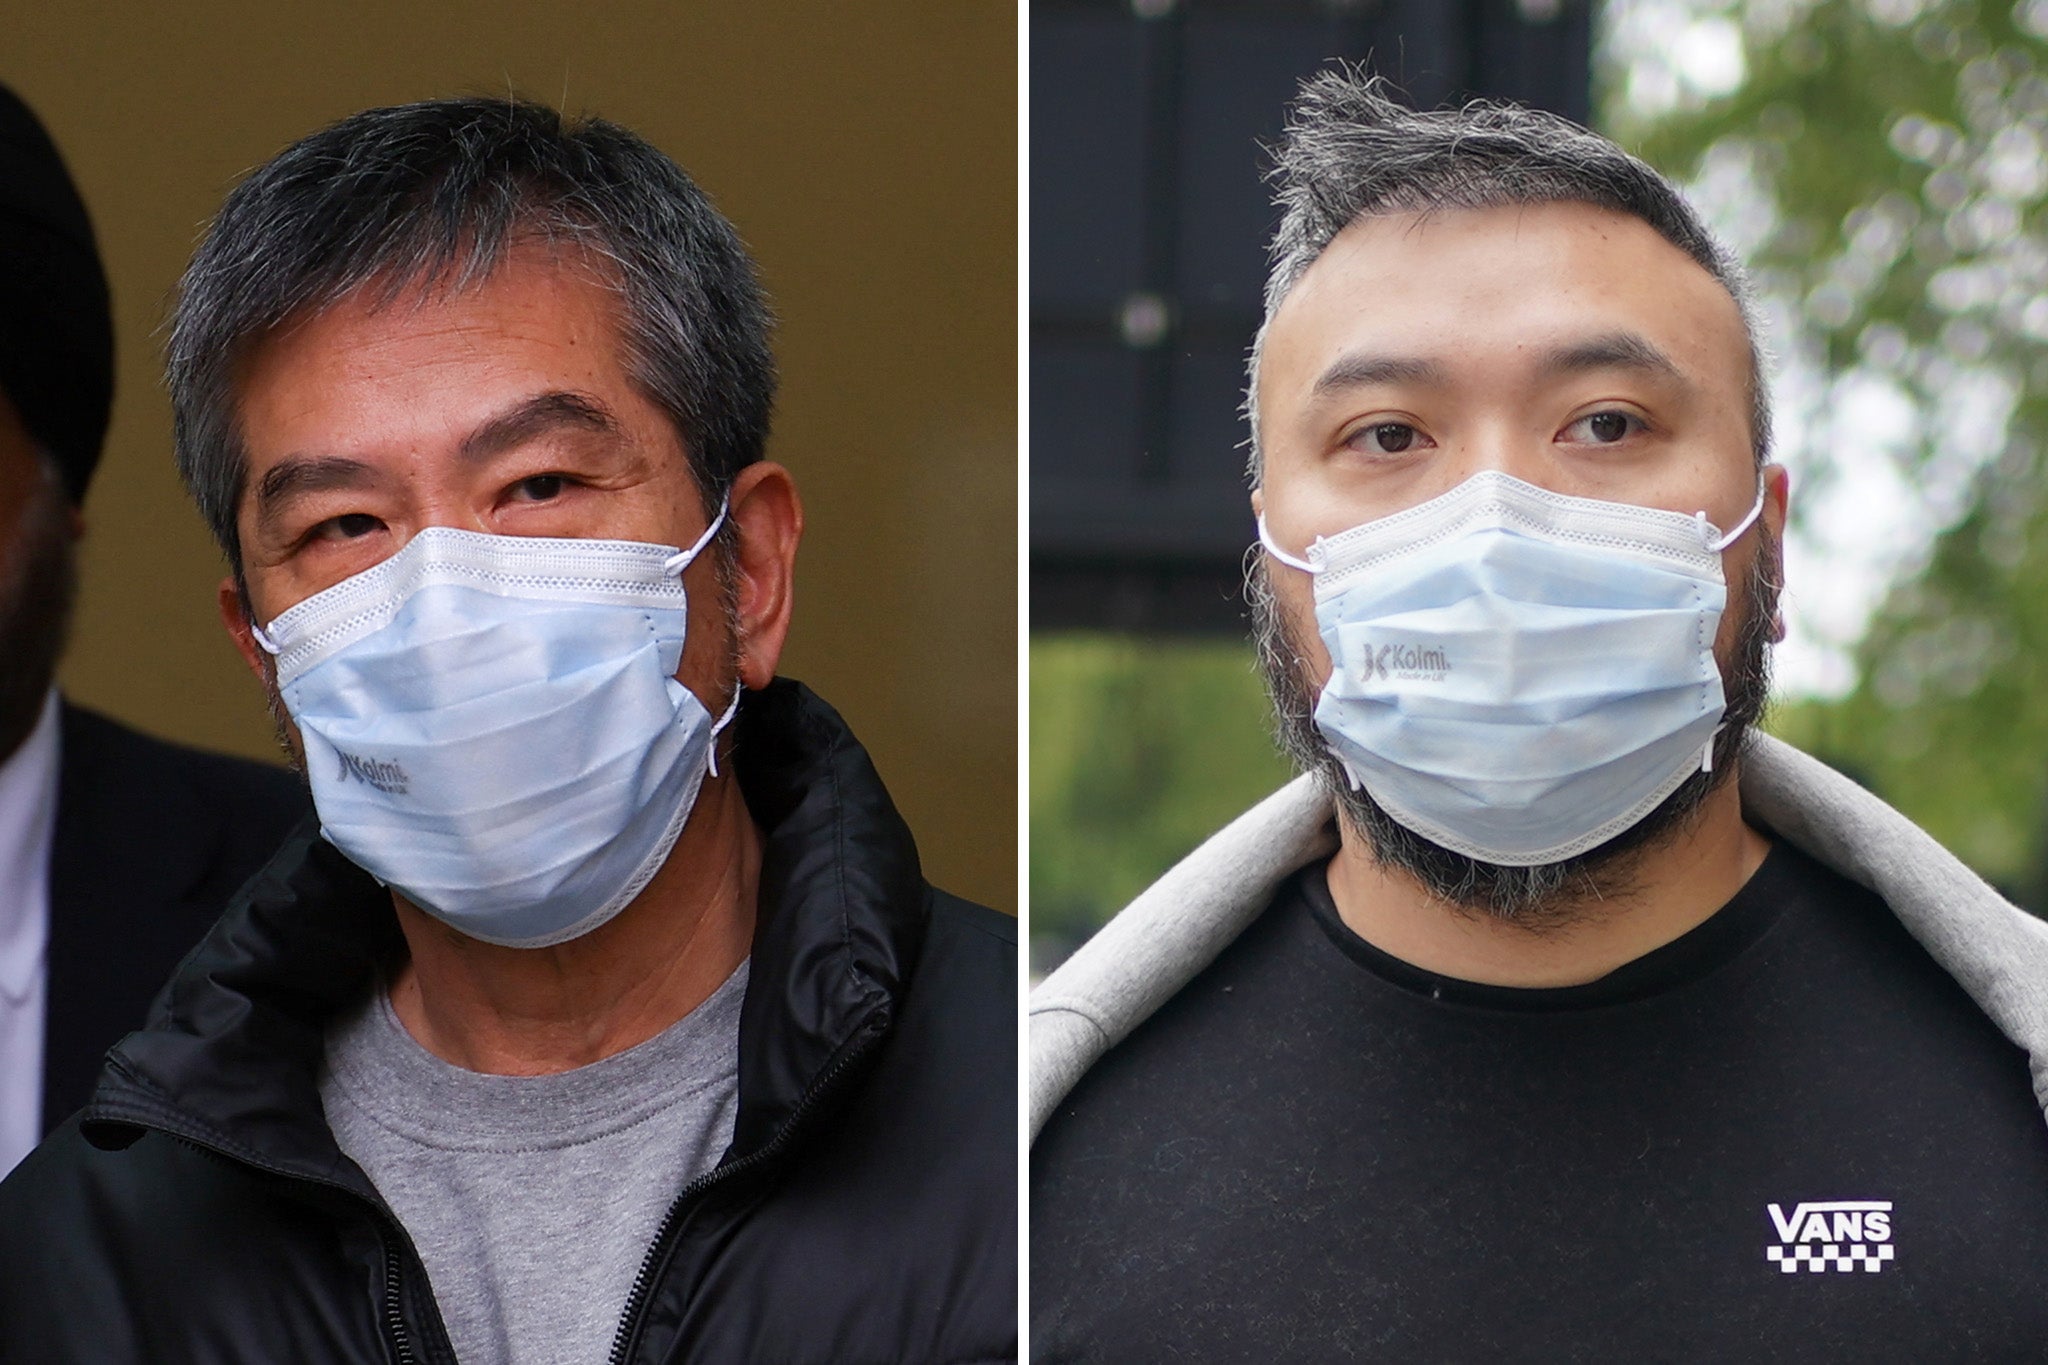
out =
column 1285, row 558
column 268, row 644
column 1706, row 527
column 731, row 709
column 1716, row 547
column 676, row 563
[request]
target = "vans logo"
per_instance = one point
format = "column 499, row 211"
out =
column 1404, row 663
column 380, row 773
column 1844, row 1234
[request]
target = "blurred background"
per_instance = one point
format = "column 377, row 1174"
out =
column 866, row 154
column 1881, row 165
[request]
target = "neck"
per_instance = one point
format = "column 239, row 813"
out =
column 538, row 1011
column 1674, row 886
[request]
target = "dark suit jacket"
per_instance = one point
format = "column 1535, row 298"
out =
column 151, row 841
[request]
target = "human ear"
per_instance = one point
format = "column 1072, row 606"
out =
column 1777, row 507
column 234, row 616
column 768, row 518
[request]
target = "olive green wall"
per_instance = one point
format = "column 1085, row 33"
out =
column 867, row 152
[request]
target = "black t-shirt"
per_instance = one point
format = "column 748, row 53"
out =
column 1787, row 1135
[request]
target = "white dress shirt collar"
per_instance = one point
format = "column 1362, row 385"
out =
column 28, row 819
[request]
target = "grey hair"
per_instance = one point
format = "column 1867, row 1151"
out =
column 1351, row 151
column 434, row 193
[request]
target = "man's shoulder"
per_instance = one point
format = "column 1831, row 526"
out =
column 915, row 1177
column 120, row 788
column 101, row 745
column 1164, row 938
column 1997, row 952
column 952, row 1049
column 152, row 840
column 136, row 1253
column 70, row 1190
column 985, row 933
column 966, row 970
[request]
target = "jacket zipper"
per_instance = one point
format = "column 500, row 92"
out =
column 393, row 1320
column 643, row 1282
column 394, row 1314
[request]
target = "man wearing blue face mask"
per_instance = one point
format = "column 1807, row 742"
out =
column 1554, row 1014
column 603, row 1008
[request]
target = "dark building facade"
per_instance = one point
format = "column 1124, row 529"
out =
column 1149, row 222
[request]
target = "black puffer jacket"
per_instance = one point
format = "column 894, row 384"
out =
column 198, row 1209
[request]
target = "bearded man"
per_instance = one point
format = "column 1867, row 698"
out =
column 1554, row 1013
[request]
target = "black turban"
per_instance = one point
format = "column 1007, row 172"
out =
column 56, row 322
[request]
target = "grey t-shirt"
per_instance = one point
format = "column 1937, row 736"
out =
column 534, row 1199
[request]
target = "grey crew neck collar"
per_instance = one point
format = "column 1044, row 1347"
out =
column 384, row 1071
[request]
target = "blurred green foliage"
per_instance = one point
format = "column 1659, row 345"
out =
column 1140, row 748
column 1902, row 146
column 1949, row 721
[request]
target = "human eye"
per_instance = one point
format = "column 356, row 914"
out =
column 1609, row 426
column 538, row 488
column 347, row 526
column 1387, row 438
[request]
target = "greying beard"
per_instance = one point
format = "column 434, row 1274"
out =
column 36, row 593
column 1549, row 895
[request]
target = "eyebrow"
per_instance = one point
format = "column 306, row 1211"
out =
column 297, row 475
column 1361, row 371
column 537, row 416
column 1613, row 351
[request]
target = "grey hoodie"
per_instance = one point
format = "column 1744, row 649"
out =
column 1160, row 941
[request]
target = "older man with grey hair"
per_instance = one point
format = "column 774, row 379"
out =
column 1554, row 1013
column 604, row 1011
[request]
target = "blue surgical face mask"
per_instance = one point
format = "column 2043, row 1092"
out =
column 1517, row 675
column 493, row 726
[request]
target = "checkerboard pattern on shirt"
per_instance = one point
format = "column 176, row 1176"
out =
column 1826, row 1256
